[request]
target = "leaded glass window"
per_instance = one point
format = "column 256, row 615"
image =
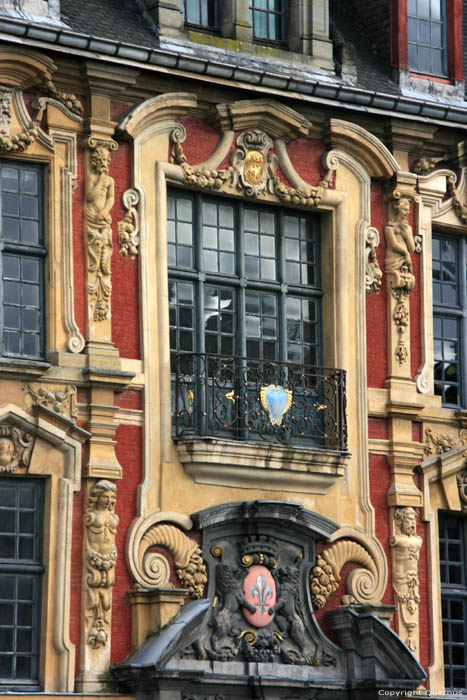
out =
column 449, row 318
column 453, row 560
column 22, row 255
column 201, row 13
column 427, row 36
column 21, row 503
column 244, row 279
column 268, row 19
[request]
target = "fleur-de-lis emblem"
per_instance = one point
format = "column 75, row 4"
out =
column 263, row 592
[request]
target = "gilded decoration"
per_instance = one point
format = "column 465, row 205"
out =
column 406, row 545
column 62, row 401
column 100, row 528
column 187, row 557
column 398, row 267
column 257, row 613
column 276, row 401
column 99, row 200
column 252, row 170
column 15, row 449
column 128, row 227
column 326, row 574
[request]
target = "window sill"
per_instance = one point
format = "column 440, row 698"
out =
column 264, row 466
column 12, row 366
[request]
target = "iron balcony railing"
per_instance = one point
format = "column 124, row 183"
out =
column 248, row 399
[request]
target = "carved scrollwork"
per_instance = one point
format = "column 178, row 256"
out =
column 459, row 208
column 99, row 200
column 16, row 143
column 373, row 274
column 68, row 100
column 15, row 449
column 128, row 227
column 437, row 444
column 100, row 526
column 57, row 400
column 187, row 556
column 426, row 164
column 326, row 574
column 252, row 170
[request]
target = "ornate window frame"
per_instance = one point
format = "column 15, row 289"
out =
column 56, row 458
column 357, row 156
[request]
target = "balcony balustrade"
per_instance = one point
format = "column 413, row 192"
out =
column 241, row 398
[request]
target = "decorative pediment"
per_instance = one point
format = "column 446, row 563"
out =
column 277, row 120
column 257, row 610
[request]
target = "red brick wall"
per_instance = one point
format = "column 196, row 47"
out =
column 376, row 304
column 79, row 259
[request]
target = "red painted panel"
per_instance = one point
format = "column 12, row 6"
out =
column 455, row 40
column 398, row 23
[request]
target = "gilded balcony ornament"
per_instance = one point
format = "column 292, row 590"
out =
column 276, row 401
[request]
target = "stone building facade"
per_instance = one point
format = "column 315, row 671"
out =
column 233, row 359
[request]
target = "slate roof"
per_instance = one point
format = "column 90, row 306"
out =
column 118, row 20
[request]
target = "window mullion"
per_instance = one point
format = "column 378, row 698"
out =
column 197, row 223
column 241, row 330
column 282, row 300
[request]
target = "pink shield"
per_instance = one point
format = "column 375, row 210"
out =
column 259, row 588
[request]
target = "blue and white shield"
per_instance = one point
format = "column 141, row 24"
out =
column 276, row 401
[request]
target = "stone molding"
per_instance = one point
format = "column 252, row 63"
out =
column 364, row 147
column 22, row 68
column 276, row 119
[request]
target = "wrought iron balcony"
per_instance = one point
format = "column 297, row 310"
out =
column 248, row 399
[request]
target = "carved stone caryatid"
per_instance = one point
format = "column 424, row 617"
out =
column 252, row 170
column 462, row 485
column 398, row 267
column 128, row 227
column 326, row 574
column 187, row 555
column 98, row 202
column 100, row 527
column 15, row 449
column 62, row 401
column 406, row 545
